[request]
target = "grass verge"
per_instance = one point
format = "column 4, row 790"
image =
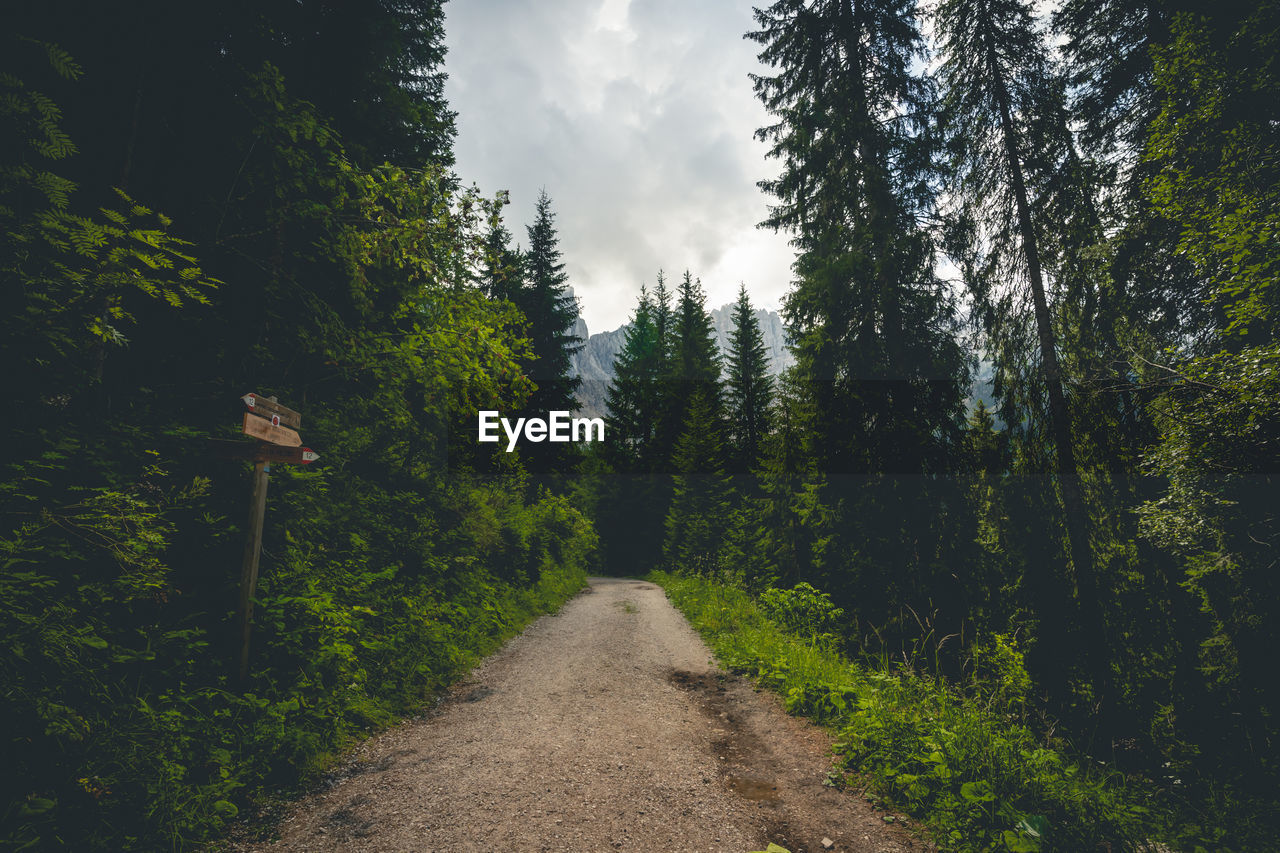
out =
column 962, row 765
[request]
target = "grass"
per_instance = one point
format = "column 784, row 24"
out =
column 964, row 765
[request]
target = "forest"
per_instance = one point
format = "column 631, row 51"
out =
column 1047, row 623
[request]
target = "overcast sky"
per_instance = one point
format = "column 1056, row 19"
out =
column 637, row 118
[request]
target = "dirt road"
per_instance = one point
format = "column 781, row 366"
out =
column 604, row 727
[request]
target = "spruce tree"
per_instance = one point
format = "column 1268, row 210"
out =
column 502, row 269
column 872, row 326
column 633, row 496
column 552, row 313
column 1008, row 132
column 662, row 313
column 701, row 495
column 749, row 386
column 693, row 360
column 631, row 399
column 1108, row 53
column 871, row 323
column 787, row 466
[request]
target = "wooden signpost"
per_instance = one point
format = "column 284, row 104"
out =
column 269, row 431
column 275, row 426
column 267, row 407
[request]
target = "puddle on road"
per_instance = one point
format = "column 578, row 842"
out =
column 743, row 759
column 755, row 790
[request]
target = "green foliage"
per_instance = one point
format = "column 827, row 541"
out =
column 551, row 310
column 748, row 387
column 801, row 610
column 1002, row 666
column 632, row 397
column 699, row 512
column 1213, row 149
column 1217, row 454
column 978, row 780
column 387, row 570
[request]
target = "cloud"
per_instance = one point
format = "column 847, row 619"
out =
column 637, row 118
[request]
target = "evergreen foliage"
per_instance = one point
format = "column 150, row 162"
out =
column 701, row 494
column 632, row 493
column 552, row 311
column 692, row 357
column 748, row 387
column 1092, row 551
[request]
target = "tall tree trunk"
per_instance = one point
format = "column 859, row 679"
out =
column 1095, row 636
column 880, row 216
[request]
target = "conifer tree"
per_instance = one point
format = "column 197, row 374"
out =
column 1108, row 44
column 692, row 364
column 871, row 324
column 1008, row 131
column 634, row 493
column 631, row 399
column 552, row 313
column 694, row 356
column 700, row 500
column 501, row 273
column 662, row 313
column 749, row 386
column 787, row 465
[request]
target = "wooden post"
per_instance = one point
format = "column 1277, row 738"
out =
column 249, row 568
column 278, row 444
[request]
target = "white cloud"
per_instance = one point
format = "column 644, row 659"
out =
column 637, row 117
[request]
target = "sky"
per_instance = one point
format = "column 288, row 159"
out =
column 638, row 120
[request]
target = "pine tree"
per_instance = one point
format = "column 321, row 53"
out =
column 873, row 329
column 502, row 269
column 1005, row 106
column 692, row 365
column 662, row 314
column 502, row 265
column 631, row 399
column 634, row 493
column 871, row 324
column 701, row 496
column 552, row 313
column 749, row 386
column 787, row 466
column 1109, row 63
column 694, row 356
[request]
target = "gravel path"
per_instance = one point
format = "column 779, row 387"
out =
column 604, row 727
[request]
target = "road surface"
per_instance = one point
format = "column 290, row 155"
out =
column 606, row 726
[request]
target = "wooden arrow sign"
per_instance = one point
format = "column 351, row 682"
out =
column 286, row 455
column 271, row 410
column 261, row 451
column 267, row 431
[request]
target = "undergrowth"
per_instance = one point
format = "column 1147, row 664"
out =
column 961, row 763
column 126, row 728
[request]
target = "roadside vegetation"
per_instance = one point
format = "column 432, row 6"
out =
column 275, row 240
column 1042, row 491
column 968, row 760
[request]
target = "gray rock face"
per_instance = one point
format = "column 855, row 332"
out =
column 594, row 365
column 594, row 362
